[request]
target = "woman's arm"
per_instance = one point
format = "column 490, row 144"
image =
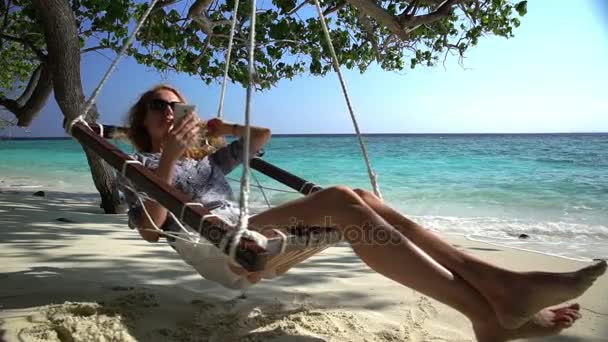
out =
column 157, row 212
column 174, row 145
column 259, row 135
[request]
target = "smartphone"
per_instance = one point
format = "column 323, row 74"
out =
column 180, row 110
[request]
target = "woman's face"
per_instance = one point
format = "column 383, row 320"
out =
column 159, row 115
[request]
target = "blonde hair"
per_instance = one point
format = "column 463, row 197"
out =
column 139, row 137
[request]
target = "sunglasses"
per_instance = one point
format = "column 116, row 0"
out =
column 161, row 105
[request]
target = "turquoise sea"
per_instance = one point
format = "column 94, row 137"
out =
column 553, row 187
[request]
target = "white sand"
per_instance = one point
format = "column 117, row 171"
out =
column 96, row 280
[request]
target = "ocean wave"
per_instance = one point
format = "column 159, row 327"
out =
column 510, row 227
column 566, row 239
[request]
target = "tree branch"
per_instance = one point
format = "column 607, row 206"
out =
column 387, row 42
column 466, row 13
column 94, row 48
column 299, row 7
column 6, row 13
column 38, row 97
column 369, row 30
column 7, row 122
column 163, row 4
column 443, row 10
column 31, row 85
column 398, row 25
column 206, row 24
column 382, row 16
column 331, row 10
column 11, row 105
column 198, row 14
column 41, row 56
column 205, row 44
column 198, row 8
column 33, row 98
column 236, row 39
column 410, row 9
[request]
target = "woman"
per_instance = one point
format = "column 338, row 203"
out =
column 501, row 304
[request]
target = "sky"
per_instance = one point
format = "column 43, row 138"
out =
column 551, row 77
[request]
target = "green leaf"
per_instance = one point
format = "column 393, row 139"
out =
column 285, row 5
column 289, row 45
column 522, row 8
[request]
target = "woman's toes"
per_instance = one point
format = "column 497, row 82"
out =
column 573, row 314
column 567, row 313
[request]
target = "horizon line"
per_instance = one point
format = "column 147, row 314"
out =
column 346, row 134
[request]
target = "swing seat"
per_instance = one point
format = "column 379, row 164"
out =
column 272, row 252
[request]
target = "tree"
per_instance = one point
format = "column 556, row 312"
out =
column 41, row 43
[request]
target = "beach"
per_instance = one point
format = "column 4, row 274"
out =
column 87, row 277
column 524, row 202
column 466, row 162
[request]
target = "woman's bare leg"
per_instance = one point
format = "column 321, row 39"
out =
column 343, row 209
column 534, row 290
column 407, row 265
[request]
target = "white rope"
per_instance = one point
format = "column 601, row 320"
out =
column 202, row 221
column 336, row 64
column 100, row 129
column 309, row 190
column 79, row 118
column 192, row 238
column 283, row 240
column 141, row 202
column 266, row 187
column 141, row 199
column 259, row 186
column 124, row 48
column 123, row 171
column 244, row 198
column 243, row 202
column 183, row 211
column 243, row 219
column 312, row 189
column 220, row 110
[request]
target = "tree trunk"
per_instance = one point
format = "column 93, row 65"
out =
column 63, row 48
column 105, row 182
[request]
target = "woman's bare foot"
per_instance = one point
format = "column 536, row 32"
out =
column 547, row 322
column 524, row 294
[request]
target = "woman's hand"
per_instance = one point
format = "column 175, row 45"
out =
column 217, row 127
column 259, row 136
column 181, row 136
column 175, row 143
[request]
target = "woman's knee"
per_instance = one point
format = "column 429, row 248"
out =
column 361, row 192
column 342, row 194
column 366, row 195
